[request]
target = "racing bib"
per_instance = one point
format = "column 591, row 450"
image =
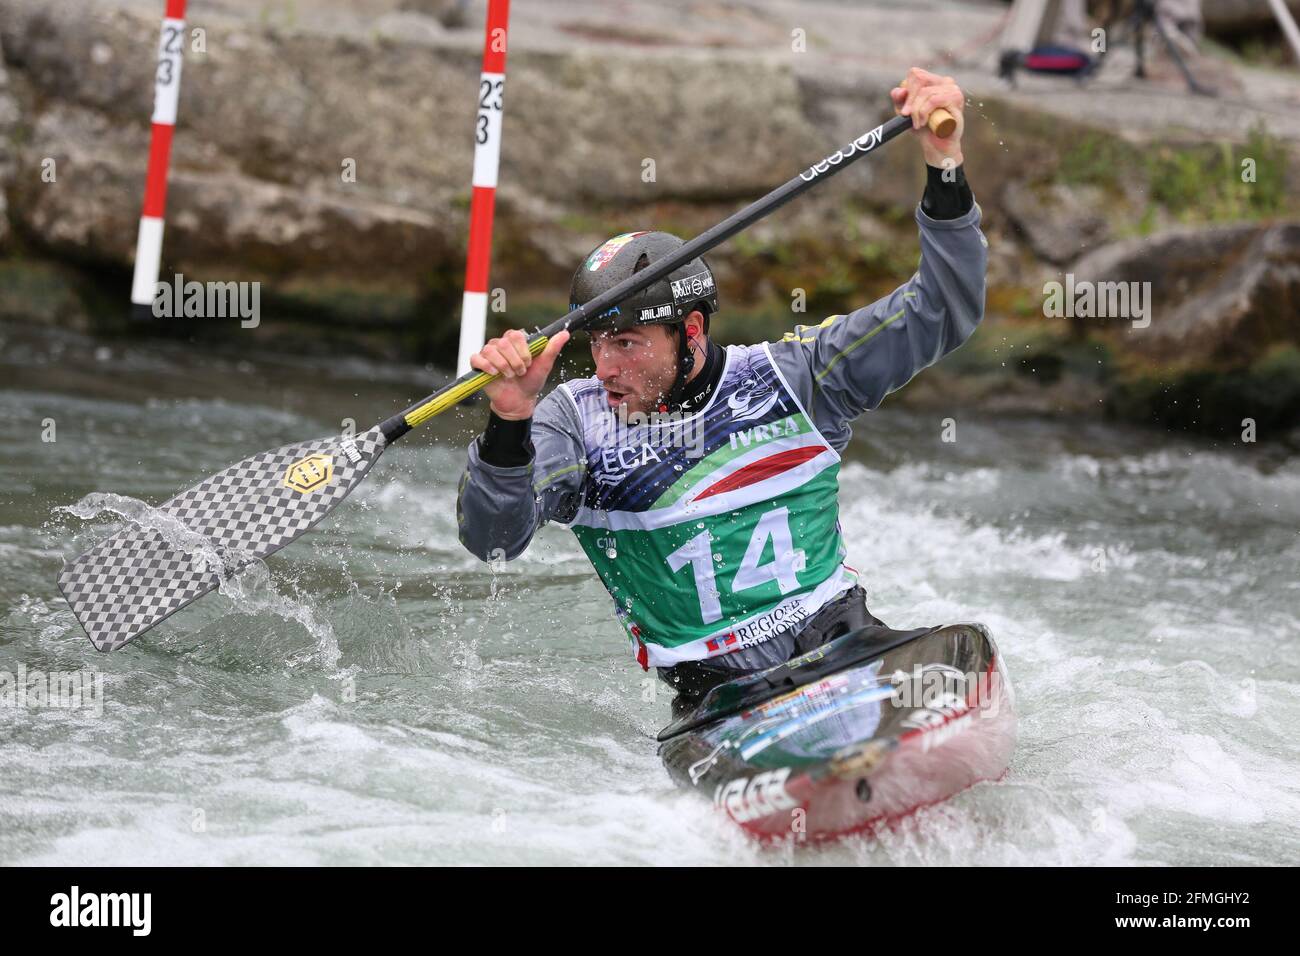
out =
column 716, row 531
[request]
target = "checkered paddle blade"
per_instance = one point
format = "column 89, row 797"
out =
column 128, row 583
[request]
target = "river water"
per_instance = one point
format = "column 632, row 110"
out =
column 373, row 694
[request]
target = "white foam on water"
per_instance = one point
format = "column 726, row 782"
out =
column 253, row 592
column 1109, row 740
column 497, row 716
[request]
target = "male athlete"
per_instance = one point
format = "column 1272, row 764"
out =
column 702, row 481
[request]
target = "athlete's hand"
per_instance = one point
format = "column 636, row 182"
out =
column 514, row 395
column 919, row 95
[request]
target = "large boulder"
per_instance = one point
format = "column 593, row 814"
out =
column 270, row 121
column 1238, row 16
column 1220, row 295
column 8, row 127
column 1059, row 221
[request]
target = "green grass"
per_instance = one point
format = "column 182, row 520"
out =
column 1192, row 183
column 1209, row 184
column 1096, row 159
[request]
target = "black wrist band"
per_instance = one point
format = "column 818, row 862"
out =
column 946, row 199
column 506, row 443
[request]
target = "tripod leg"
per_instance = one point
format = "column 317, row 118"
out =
column 1177, row 57
column 1008, row 63
column 1139, row 43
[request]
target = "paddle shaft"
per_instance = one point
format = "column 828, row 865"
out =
column 462, row 388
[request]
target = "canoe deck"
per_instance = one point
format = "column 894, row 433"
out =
column 909, row 720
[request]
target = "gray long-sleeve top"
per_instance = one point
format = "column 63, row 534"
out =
column 839, row 369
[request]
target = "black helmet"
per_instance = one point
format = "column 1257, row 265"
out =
column 669, row 300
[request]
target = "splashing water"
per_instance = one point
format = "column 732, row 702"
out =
column 245, row 578
column 374, row 694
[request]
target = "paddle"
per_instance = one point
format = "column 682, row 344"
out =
column 184, row 548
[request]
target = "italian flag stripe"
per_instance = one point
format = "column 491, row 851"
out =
column 762, row 469
column 722, row 459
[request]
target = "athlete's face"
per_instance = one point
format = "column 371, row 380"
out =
column 637, row 367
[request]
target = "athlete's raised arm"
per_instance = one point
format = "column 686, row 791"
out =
column 849, row 363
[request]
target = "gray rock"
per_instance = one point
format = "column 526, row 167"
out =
column 1234, row 16
column 409, row 27
column 1220, row 294
column 287, row 93
column 267, row 121
column 1060, row 222
column 448, row 13
column 8, row 124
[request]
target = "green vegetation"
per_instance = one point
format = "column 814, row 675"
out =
column 1193, row 183
column 1266, row 391
column 1097, row 159
column 1259, row 48
column 1213, row 184
column 45, row 291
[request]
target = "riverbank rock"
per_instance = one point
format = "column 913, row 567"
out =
column 284, row 166
column 1227, row 17
column 1223, row 295
column 325, row 150
column 8, row 127
column 1059, row 221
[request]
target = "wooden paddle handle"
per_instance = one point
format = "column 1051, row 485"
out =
column 942, row 123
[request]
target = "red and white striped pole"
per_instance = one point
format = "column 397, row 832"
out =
column 487, row 154
column 166, row 92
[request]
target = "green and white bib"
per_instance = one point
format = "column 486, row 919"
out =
column 716, row 531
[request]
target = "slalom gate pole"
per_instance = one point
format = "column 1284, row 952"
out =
column 487, row 154
column 166, row 93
